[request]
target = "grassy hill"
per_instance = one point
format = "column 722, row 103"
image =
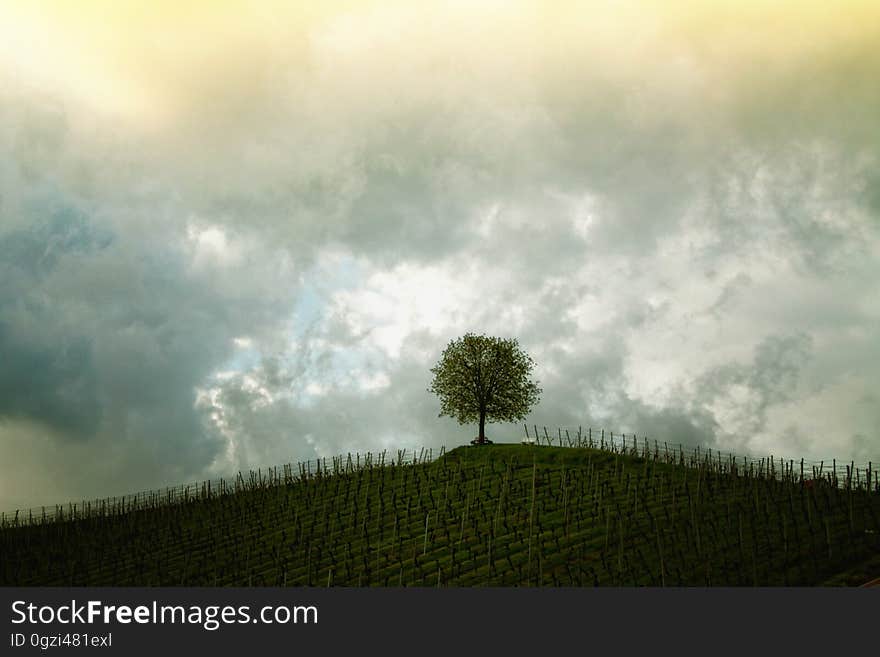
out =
column 510, row 515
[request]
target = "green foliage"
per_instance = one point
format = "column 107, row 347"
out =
column 481, row 378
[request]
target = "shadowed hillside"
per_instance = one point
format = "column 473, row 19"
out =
column 501, row 515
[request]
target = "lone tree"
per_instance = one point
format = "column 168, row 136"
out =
column 480, row 378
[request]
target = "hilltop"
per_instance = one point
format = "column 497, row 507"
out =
column 498, row 515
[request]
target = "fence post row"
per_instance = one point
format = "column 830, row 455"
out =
column 208, row 489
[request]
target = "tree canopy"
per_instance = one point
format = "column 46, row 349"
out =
column 481, row 378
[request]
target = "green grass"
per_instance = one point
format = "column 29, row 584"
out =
column 493, row 515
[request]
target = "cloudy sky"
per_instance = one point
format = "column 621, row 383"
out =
column 237, row 234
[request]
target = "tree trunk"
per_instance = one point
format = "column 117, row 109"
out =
column 482, row 437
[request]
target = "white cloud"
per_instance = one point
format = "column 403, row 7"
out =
column 390, row 305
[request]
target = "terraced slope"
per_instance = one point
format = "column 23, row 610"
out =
column 508, row 515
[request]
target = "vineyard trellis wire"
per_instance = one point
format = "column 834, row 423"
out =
column 286, row 474
column 843, row 475
column 840, row 474
column 505, row 515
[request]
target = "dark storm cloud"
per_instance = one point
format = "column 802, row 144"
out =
column 47, row 374
column 78, row 344
column 104, row 338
